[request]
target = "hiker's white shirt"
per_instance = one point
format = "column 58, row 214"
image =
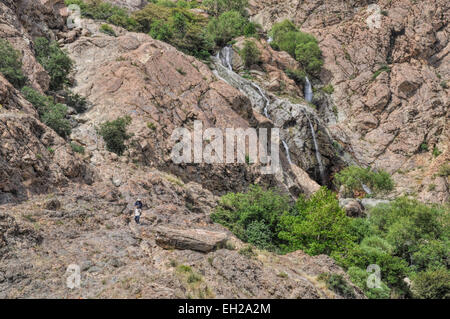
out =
column 137, row 212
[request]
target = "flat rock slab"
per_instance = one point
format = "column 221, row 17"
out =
column 193, row 239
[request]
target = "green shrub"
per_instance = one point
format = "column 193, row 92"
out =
column 338, row 284
column 353, row 178
column 250, row 54
column 217, row 7
column 302, row 46
column 237, row 211
column 76, row 101
column 227, row 26
column 359, row 277
column 260, row 235
column 316, row 225
column 55, row 61
column 160, row 30
column 115, row 134
column 297, row 75
column 52, row 114
column 309, row 55
column 77, row 148
column 383, row 68
column 444, row 170
column 106, row 28
column 328, row 89
column 436, row 152
column 11, row 64
column 432, row 284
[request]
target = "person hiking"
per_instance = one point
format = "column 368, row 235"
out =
column 138, row 210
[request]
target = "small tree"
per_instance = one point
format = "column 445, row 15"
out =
column 55, row 61
column 11, row 64
column 250, row 54
column 434, row 284
column 115, row 134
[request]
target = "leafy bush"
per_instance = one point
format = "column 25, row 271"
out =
column 317, row 225
column 77, row 148
column 217, row 7
column 297, row 75
column 433, row 284
column 227, row 26
column 353, row 178
column 338, row 284
column 444, row 170
column 359, row 277
column 253, row 215
column 302, row 46
column 52, row 114
column 115, row 134
column 11, row 64
column 106, row 28
column 76, row 101
column 54, row 60
column 250, row 54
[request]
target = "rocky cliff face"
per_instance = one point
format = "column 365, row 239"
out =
column 392, row 119
column 83, row 216
column 59, row 208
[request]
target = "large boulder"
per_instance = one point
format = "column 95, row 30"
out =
column 193, row 239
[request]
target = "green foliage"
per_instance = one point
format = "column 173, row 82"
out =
column 250, row 54
column 317, row 225
column 76, row 101
column 217, row 7
column 383, row 68
column 297, row 75
column 106, row 28
column 328, row 89
column 338, row 284
column 115, row 134
column 436, row 152
column 309, row 55
column 52, row 114
column 11, row 64
column 353, row 178
column 55, row 61
column 432, row 284
column 160, row 30
column 77, row 148
column 253, row 215
column 227, row 26
column 359, row 277
column 444, row 170
column 302, row 46
column 405, row 238
column 99, row 10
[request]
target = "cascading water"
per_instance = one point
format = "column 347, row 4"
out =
column 259, row 99
column 318, row 155
column 286, row 148
column 226, row 57
column 308, row 90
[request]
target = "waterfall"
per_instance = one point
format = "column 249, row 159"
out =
column 308, row 90
column 226, row 57
column 286, row 148
column 317, row 151
column 260, row 101
column 269, row 39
